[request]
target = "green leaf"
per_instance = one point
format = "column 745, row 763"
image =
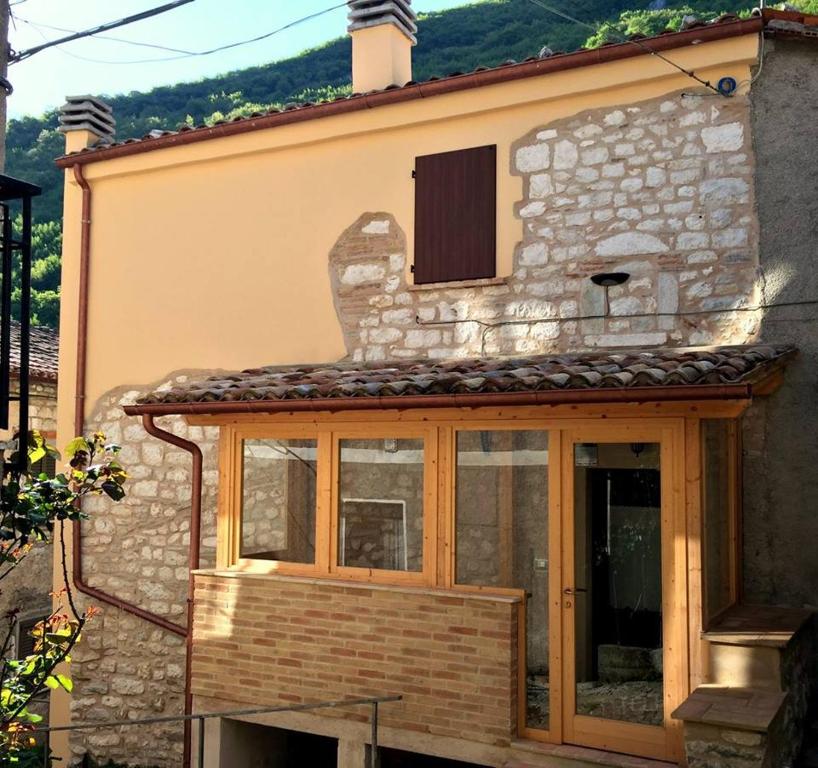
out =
column 37, row 454
column 113, row 490
column 52, row 682
column 77, row 445
column 65, row 682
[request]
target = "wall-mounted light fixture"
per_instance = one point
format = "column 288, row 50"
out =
column 608, row 279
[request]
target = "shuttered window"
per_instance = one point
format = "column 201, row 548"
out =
column 455, row 215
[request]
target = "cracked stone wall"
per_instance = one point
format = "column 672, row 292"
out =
column 662, row 190
column 138, row 550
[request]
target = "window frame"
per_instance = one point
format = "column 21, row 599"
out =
column 710, row 614
column 425, row 576
column 440, row 427
column 229, row 520
column 553, row 472
column 328, row 440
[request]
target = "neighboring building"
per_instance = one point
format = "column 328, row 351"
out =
column 511, row 436
column 27, row 589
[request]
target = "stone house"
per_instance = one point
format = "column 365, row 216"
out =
column 494, row 414
column 27, row 589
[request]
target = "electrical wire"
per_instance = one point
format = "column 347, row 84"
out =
column 690, row 73
column 40, row 26
column 574, row 318
column 488, row 327
column 218, row 49
column 17, row 56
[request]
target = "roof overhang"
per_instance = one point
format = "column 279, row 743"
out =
column 636, row 395
column 715, row 374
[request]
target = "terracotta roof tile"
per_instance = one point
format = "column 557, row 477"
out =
column 43, row 352
column 589, row 370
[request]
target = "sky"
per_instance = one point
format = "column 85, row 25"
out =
column 43, row 81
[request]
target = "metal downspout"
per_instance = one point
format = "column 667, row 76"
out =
column 194, row 554
column 79, row 426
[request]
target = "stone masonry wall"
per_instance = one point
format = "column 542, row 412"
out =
column 662, row 190
column 138, row 550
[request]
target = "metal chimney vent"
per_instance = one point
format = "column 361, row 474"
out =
column 88, row 113
column 372, row 13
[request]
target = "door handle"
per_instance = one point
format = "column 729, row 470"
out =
column 573, row 590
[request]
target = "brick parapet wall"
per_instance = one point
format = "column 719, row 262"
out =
column 268, row 641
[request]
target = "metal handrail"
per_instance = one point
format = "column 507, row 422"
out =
column 372, row 702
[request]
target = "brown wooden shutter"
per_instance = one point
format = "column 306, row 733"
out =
column 455, row 215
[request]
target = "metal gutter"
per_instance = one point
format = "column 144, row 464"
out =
column 79, row 417
column 412, row 92
column 151, row 428
column 674, row 393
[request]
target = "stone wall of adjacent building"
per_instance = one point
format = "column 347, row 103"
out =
column 138, row 550
column 27, row 589
column 662, row 190
column 781, row 447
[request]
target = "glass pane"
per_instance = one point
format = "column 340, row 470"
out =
column 617, row 597
column 278, row 500
column 501, row 535
column 380, row 508
column 716, row 509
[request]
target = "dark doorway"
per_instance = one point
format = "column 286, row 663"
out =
column 259, row 746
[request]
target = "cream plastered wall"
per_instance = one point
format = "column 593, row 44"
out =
column 215, row 255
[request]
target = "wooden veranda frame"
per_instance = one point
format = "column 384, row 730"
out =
column 678, row 426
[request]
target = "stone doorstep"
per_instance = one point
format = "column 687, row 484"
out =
column 742, row 709
column 758, row 625
column 541, row 755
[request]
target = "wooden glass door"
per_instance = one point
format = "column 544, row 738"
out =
column 624, row 657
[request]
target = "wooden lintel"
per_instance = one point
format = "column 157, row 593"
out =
column 705, row 409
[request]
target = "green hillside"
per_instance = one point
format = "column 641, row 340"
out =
column 482, row 33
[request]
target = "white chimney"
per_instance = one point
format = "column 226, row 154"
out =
column 383, row 33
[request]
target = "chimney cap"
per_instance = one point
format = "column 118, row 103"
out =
column 88, row 113
column 374, row 13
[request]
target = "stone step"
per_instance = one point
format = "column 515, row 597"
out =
column 751, row 646
column 726, row 726
column 745, row 666
column 532, row 754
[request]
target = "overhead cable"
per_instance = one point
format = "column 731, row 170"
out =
column 638, row 43
column 17, row 56
column 38, row 26
column 228, row 46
